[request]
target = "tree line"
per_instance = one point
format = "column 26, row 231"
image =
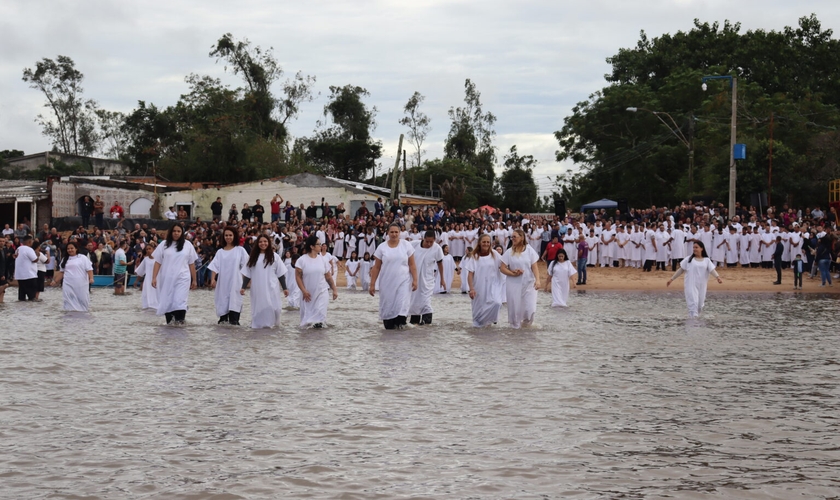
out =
column 225, row 133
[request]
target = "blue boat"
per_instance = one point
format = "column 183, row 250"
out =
column 107, row 280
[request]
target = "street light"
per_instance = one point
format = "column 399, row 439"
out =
column 678, row 133
column 733, row 175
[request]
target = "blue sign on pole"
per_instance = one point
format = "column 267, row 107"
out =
column 740, row 152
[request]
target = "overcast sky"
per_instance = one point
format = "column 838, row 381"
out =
column 531, row 60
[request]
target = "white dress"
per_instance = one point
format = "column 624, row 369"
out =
column 76, row 283
column 173, row 279
column 696, row 278
column 395, row 279
column 486, row 283
column 314, row 269
column 227, row 264
column 364, row 273
column 149, row 295
column 425, row 260
column 293, row 300
column 560, row 274
column 351, row 266
column 521, row 295
column 266, row 294
column 448, row 274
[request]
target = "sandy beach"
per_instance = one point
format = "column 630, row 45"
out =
column 734, row 280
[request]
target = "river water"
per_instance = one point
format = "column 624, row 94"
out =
column 617, row 397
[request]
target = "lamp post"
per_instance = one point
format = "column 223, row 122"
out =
column 688, row 142
column 733, row 175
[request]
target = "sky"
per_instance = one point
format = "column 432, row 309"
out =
column 532, row 60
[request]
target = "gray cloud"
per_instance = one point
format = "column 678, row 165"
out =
column 531, row 60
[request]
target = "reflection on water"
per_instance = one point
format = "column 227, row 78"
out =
column 619, row 396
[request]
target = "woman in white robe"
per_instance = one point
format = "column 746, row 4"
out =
column 331, row 261
column 394, row 267
column 697, row 268
column 226, row 277
column 293, row 300
column 267, row 275
column 149, row 295
column 76, row 273
column 174, row 275
column 364, row 271
column 448, row 271
column 351, row 270
column 561, row 273
column 314, row 279
column 519, row 265
column 481, row 272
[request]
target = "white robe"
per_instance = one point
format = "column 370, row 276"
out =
column 266, row 294
column 76, row 283
column 696, row 278
column 521, row 295
column 173, row 279
column 425, row 260
column 149, row 295
column 314, row 269
column 560, row 274
column 293, row 300
column 448, row 274
column 227, row 264
column 338, row 246
column 486, row 283
column 351, row 266
column 395, row 279
column 364, row 273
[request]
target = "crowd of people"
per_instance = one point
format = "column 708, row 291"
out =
column 413, row 253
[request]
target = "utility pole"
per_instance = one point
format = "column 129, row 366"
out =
column 733, row 173
column 402, row 177
column 770, row 170
column 690, row 153
column 396, row 171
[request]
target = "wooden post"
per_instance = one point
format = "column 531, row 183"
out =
column 396, row 170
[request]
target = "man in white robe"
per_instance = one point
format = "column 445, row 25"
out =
column 428, row 256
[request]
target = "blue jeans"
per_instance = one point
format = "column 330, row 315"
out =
column 825, row 273
column 581, row 269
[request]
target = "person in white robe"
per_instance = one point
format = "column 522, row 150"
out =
column 394, row 266
column 351, row 270
column 561, row 272
column 76, row 275
column 448, row 271
column 266, row 274
column 483, row 280
column 314, row 279
column 428, row 258
column 697, row 268
column 718, row 253
column 149, row 294
column 677, row 247
column 744, row 246
column 331, row 261
column 732, row 241
column 174, row 275
column 226, row 277
column 339, row 246
column 519, row 265
column 364, row 271
column 293, row 300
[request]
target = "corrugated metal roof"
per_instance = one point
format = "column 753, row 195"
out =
column 9, row 190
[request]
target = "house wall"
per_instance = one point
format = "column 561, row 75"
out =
column 264, row 191
column 66, row 194
column 101, row 166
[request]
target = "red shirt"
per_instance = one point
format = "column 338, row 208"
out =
column 551, row 250
column 275, row 207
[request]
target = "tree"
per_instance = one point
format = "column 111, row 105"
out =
column 345, row 149
column 516, row 184
column 471, row 133
column 791, row 75
column 260, row 70
column 71, row 128
column 418, row 125
column 114, row 140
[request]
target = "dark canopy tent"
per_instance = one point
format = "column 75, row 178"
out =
column 597, row 205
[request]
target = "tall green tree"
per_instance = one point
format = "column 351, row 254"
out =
column 345, row 149
column 792, row 75
column 70, row 124
column 418, row 125
column 471, row 133
column 516, row 184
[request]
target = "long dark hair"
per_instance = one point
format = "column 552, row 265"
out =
column 255, row 252
column 67, row 255
column 179, row 245
column 309, row 243
column 702, row 247
column 222, row 243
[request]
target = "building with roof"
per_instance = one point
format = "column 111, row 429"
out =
column 24, row 202
column 98, row 166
